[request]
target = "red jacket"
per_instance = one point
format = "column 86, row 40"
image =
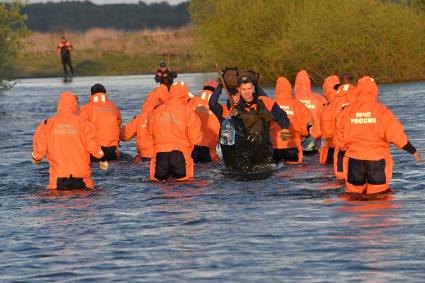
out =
column 68, row 141
column 366, row 127
column 105, row 116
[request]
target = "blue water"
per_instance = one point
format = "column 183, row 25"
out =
column 296, row 226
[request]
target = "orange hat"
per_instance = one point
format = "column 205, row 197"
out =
column 210, row 85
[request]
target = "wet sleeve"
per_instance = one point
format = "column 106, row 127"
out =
column 150, row 126
column 278, row 114
column 409, row 148
column 260, row 91
column 89, row 138
column 216, row 107
column 39, row 143
column 129, row 130
column 173, row 74
column 158, row 76
column 394, row 131
column 193, row 129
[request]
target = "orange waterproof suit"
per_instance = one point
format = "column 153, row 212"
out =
column 106, row 117
column 345, row 94
column 174, row 129
column 365, row 130
column 312, row 100
column 138, row 126
column 209, row 123
column 299, row 117
column 68, row 142
column 327, row 120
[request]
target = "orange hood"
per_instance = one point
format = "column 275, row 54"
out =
column 99, row 97
column 302, row 81
column 367, row 88
column 328, row 87
column 283, row 89
column 180, row 92
column 67, row 103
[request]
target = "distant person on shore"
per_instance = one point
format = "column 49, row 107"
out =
column 68, row 142
column 64, row 48
column 106, row 117
column 365, row 130
column 164, row 75
column 174, row 129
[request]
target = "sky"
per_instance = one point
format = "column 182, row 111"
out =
column 172, row 2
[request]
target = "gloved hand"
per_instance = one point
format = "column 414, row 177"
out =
column 285, row 135
column 418, row 156
column 103, row 165
column 35, row 162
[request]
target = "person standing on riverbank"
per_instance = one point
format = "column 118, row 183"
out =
column 64, row 48
column 106, row 117
column 68, row 142
column 365, row 130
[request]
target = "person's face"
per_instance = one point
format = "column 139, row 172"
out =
column 247, row 91
column 236, row 97
column 163, row 69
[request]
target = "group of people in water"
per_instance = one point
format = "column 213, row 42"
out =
column 176, row 129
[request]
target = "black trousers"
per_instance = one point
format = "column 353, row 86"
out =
column 66, row 62
column 340, row 161
column 110, row 154
column 286, row 154
column 361, row 172
column 201, row 154
column 170, row 165
column 70, row 183
column 330, row 156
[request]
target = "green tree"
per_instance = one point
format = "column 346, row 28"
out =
column 12, row 31
column 384, row 39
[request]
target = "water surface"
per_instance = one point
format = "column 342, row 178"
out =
column 296, row 226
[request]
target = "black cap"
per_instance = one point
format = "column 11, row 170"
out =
column 162, row 64
column 248, row 78
column 97, row 88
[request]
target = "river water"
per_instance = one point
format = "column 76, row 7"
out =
column 296, row 226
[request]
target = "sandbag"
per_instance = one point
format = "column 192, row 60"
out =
column 231, row 75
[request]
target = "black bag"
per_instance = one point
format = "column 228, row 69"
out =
column 70, row 183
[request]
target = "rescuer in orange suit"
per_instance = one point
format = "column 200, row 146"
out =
column 300, row 118
column 138, row 125
column 206, row 151
column 314, row 102
column 346, row 93
column 68, row 142
column 106, row 117
column 327, row 121
column 174, row 129
column 365, row 130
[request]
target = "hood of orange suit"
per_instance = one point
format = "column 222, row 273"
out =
column 179, row 91
column 67, row 103
column 328, row 87
column 283, row 89
column 367, row 87
column 302, row 82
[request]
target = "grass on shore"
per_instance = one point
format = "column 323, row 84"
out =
column 107, row 52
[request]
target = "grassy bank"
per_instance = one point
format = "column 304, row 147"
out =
column 108, row 52
column 384, row 39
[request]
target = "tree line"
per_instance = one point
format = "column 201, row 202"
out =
column 81, row 16
column 381, row 38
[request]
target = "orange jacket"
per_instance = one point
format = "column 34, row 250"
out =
column 66, row 44
column 313, row 101
column 327, row 119
column 209, row 123
column 105, row 116
column 138, row 126
column 366, row 127
column 67, row 141
column 174, row 125
column 299, row 116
